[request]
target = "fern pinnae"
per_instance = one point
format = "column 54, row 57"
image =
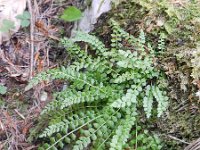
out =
column 80, row 97
column 73, row 131
column 63, row 73
column 121, row 122
column 75, row 116
column 57, row 127
column 105, row 140
column 79, row 142
column 106, row 121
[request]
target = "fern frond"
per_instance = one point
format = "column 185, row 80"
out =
column 92, row 40
column 70, row 123
column 122, row 132
column 71, row 132
column 161, row 42
column 73, row 49
column 119, row 33
column 162, row 100
column 148, row 101
column 141, row 40
column 81, row 97
column 129, row 75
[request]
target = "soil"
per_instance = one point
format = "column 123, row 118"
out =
column 19, row 110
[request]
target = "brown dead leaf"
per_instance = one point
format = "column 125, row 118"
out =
column 26, row 128
column 41, row 27
column 40, row 65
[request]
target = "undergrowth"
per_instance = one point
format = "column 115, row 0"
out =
column 107, row 87
column 141, row 140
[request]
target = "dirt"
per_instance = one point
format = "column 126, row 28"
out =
column 19, row 110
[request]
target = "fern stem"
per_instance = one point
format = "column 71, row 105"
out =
column 109, row 134
column 104, row 124
column 105, row 139
column 136, row 134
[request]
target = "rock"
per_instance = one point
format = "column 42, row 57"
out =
column 90, row 15
column 43, row 96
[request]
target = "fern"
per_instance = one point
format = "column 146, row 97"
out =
column 107, row 87
column 161, row 42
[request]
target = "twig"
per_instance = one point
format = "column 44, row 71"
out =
column 19, row 114
column 177, row 139
column 32, row 38
column 2, row 126
column 47, row 56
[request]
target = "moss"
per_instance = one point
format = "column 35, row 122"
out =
column 183, row 119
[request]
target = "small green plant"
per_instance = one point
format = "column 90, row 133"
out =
column 3, row 89
column 24, row 18
column 71, row 14
column 7, row 25
column 107, row 88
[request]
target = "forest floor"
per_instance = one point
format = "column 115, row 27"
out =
column 19, row 109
